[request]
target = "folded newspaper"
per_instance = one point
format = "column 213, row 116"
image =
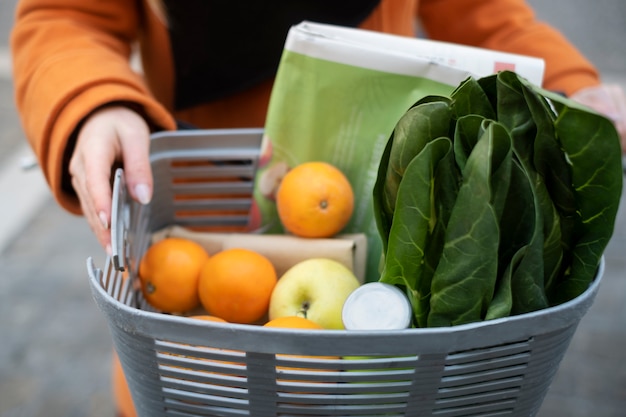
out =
column 337, row 96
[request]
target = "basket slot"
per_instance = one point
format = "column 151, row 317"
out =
column 203, row 171
column 203, row 380
column 186, row 404
column 476, row 388
column 200, row 351
column 294, row 410
column 211, row 188
column 207, row 157
column 498, row 408
column 215, row 168
column 477, row 377
column 208, row 204
column 201, row 364
column 214, row 223
column 488, row 353
column 496, row 395
column 219, row 391
column 309, row 375
column 374, row 363
column 368, row 377
column 506, row 362
column 311, row 385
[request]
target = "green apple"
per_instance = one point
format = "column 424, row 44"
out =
column 316, row 289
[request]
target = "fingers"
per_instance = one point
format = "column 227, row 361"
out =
column 110, row 135
column 609, row 100
column 135, row 142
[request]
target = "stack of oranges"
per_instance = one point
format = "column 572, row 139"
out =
column 178, row 275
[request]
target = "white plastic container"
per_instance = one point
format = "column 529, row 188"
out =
column 377, row 306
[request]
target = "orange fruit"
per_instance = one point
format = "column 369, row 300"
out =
column 314, row 199
column 208, row 317
column 297, row 322
column 169, row 273
column 236, row 285
column 293, row 322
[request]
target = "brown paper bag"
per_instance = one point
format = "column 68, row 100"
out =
column 283, row 251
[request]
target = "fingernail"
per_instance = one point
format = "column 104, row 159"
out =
column 109, row 250
column 103, row 220
column 142, row 191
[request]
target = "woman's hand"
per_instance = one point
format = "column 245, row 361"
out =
column 609, row 100
column 111, row 134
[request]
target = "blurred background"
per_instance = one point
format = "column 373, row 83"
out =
column 55, row 347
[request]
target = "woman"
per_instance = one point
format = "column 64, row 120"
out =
column 84, row 107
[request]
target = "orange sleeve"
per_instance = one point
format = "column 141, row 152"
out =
column 509, row 26
column 69, row 58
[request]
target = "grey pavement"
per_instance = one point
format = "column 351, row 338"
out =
column 55, row 346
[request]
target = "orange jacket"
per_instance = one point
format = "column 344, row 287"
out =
column 71, row 56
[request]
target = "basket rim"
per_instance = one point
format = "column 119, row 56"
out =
column 159, row 326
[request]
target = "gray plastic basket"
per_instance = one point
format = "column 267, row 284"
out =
column 178, row 366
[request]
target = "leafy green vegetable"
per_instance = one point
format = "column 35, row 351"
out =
column 497, row 200
column 422, row 123
column 468, row 266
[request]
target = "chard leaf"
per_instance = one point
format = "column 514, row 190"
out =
column 413, row 224
column 466, row 133
column 470, row 98
column 502, row 302
column 542, row 260
column 517, row 220
column 527, row 281
column 559, row 207
column 489, row 84
column 514, row 114
column 464, row 281
column 548, row 158
column 446, row 187
column 591, row 145
column 425, row 121
column 420, row 125
column 501, row 165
